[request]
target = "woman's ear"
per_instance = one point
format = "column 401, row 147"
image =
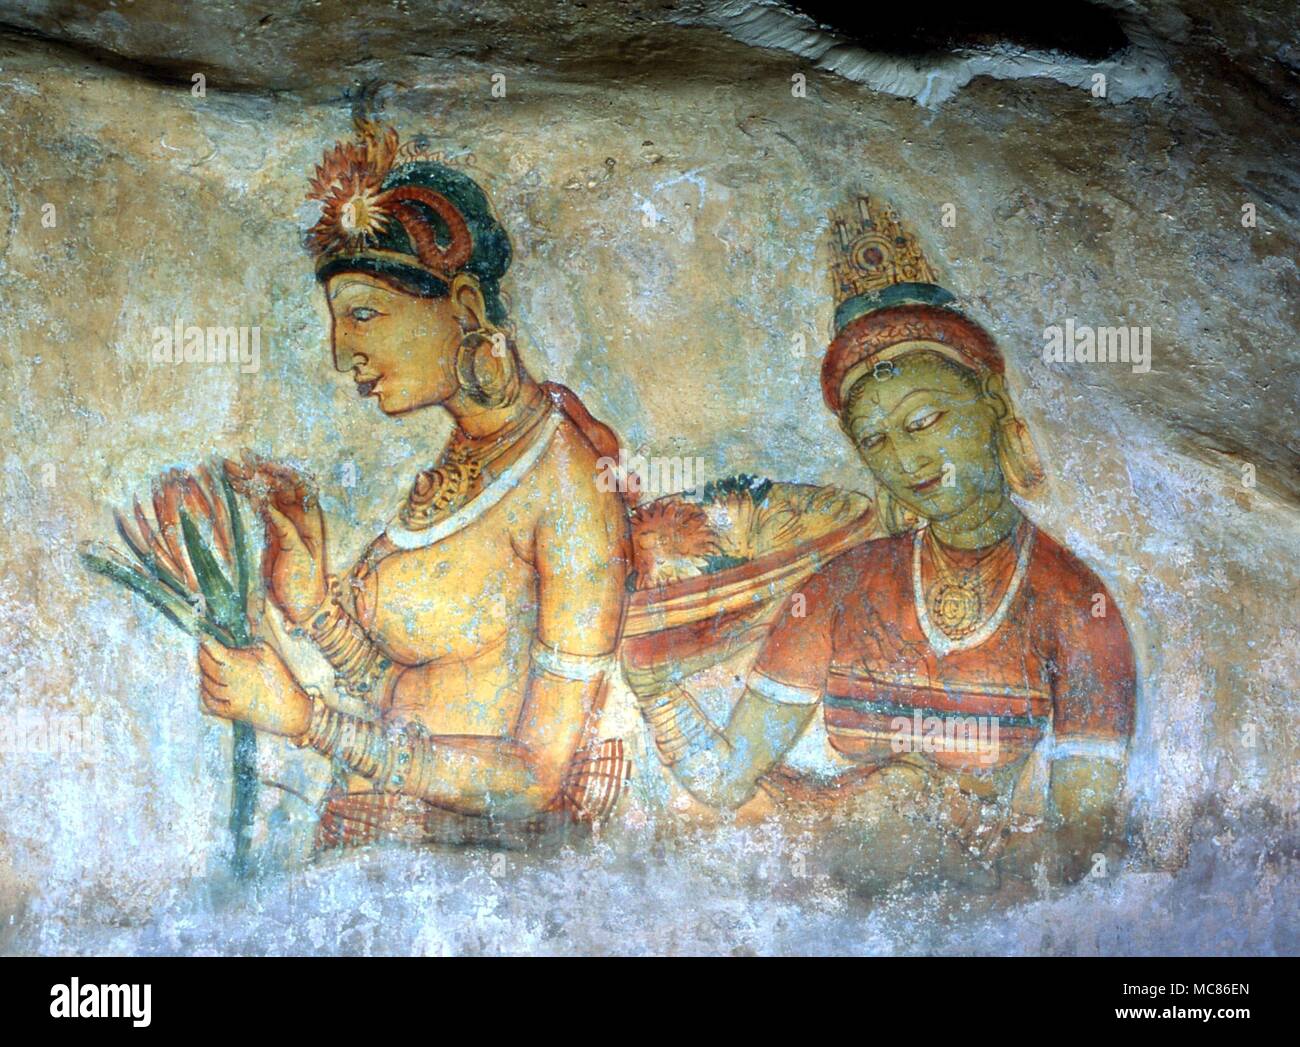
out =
column 467, row 302
column 994, row 390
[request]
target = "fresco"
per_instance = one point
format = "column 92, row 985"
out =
column 475, row 554
column 472, row 639
column 970, row 670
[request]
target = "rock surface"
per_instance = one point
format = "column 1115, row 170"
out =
column 666, row 192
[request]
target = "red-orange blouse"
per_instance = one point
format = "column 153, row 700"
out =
column 1059, row 662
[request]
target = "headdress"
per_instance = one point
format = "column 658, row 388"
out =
column 889, row 302
column 398, row 211
column 401, row 211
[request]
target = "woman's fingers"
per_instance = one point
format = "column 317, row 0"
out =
column 277, row 470
column 279, row 526
column 211, row 661
column 266, row 482
column 216, row 666
column 212, row 680
column 286, row 484
column 210, row 696
column 214, row 703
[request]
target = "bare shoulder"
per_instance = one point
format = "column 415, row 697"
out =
column 573, row 455
column 573, row 482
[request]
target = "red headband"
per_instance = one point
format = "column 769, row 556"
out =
column 867, row 336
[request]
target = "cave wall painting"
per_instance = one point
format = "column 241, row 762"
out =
column 974, row 679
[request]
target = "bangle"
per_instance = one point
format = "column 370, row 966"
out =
column 407, row 759
column 651, row 682
column 357, row 660
column 316, row 724
column 398, row 760
column 331, row 589
column 357, row 742
column 679, row 726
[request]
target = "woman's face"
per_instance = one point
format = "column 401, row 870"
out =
column 399, row 347
column 927, row 431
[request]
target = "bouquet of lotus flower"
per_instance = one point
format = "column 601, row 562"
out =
column 192, row 563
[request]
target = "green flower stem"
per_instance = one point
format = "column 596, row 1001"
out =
column 223, row 617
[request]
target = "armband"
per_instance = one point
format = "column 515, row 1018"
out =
column 782, row 693
column 584, row 667
column 1089, row 747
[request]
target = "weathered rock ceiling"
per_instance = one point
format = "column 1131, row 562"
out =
column 301, row 45
column 1207, row 93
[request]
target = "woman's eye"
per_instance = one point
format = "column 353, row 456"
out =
column 923, row 421
column 361, row 313
column 870, row 441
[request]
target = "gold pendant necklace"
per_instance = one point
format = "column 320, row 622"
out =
column 960, row 595
column 448, row 485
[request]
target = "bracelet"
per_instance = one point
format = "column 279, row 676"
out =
column 409, row 761
column 358, row 662
column 398, row 760
column 648, row 683
column 679, row 726
column 315, row 726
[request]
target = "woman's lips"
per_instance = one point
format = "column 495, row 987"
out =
column 926, row 486
column 364, row 389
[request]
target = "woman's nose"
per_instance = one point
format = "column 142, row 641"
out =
column 343, row 356
column 911, row 458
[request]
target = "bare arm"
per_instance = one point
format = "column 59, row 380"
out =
column 722, row 768
column 579, row 549
column 1094, row 705
column 1082, row 820
column 510, row 777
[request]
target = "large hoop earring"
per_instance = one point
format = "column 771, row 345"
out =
column 1017, row 455
column 480, row 384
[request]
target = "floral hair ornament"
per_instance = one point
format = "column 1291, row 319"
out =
column 403, row 213
column 365, row 214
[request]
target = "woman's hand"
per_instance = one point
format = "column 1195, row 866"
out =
column 293, row 561
column 254, row 685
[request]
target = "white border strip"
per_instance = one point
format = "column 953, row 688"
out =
column 1091, row 748
column 567, row 666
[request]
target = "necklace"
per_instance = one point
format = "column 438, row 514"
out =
column 960, row 594
column 952, row 613
column 447, row 485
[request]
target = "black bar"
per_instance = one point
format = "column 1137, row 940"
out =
column 578, row 997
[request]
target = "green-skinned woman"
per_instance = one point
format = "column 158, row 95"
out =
column 976, row 679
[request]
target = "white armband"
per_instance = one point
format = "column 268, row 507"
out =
column 782, row 693
column 1089, row 747
column 584, row 667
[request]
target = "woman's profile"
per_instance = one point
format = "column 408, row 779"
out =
column 473, row 637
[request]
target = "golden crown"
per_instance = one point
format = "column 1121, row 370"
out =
column 871, row 251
